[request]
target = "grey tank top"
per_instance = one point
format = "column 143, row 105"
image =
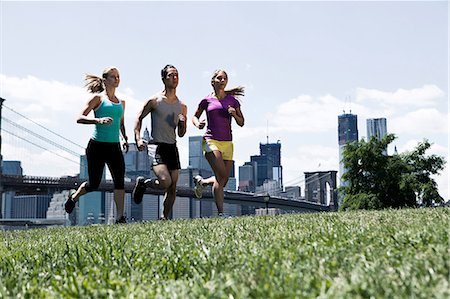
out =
column 164, row 121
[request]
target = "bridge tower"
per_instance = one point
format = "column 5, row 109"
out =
column 320, row 187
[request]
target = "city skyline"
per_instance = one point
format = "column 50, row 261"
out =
column 302, row 63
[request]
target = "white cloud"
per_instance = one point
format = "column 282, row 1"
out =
column 421, row 97
column 306, row 114
column 33, row 94
column 306, row 158
column 436, row 148
column 422, row 121
column 244, row 133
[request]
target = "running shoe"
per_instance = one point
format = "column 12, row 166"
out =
column 121, row 220
column 198, row 187
column 139, row 190
column 70, row 204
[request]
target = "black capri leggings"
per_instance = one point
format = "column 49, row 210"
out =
column 100, row 153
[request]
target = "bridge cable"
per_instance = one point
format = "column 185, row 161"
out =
column 47, row 140
column 68, row 140
column 41, row 137
column 39, row 146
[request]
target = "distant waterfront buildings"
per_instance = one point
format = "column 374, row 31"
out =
column 263, row 172
column 30, row 206
column 22, row 206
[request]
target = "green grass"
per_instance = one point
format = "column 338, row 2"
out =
column 381, row 254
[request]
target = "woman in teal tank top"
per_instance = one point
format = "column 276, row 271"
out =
column 104, row 146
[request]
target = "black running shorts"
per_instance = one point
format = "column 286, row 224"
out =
column 165, row 153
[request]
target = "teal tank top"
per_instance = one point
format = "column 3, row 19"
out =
column 111, row 132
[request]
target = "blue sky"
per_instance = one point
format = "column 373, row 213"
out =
column 302, row 63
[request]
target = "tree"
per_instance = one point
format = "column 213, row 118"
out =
column 375, row 180
column 420, row 170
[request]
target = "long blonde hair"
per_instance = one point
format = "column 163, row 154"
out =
column 95, row 84
column 237, row 91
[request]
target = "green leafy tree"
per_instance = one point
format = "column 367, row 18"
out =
column 376, row 180
column 421, row 168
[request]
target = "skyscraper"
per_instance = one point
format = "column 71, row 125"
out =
column 196, row 158
column 377, row 127
column 247, row 177
column 7, row 198
column 347, row 132
column 273, row 153
column 262, row 169
column 30, row 206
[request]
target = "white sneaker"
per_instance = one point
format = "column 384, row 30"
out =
column 198, row 188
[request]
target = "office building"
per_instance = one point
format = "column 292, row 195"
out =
column 7, row 197
column 247, row 177
column 30, row 206
column 273, row 153
column 377, row 127
column 347, row 132
column 263, row 170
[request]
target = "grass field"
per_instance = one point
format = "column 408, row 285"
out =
column 380, row 254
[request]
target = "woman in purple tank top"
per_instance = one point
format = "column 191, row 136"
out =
column 221, row 107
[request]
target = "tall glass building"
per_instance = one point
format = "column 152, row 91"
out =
column 377, row 127
column 347, row 132
column 273, row 153
column 7, row 197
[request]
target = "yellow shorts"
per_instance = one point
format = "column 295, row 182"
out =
column 225, row 147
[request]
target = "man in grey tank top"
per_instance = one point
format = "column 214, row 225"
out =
column 168, row 114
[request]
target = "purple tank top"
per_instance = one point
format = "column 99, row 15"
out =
column 219, row 121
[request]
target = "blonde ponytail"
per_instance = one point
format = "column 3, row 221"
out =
column 94, row 84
